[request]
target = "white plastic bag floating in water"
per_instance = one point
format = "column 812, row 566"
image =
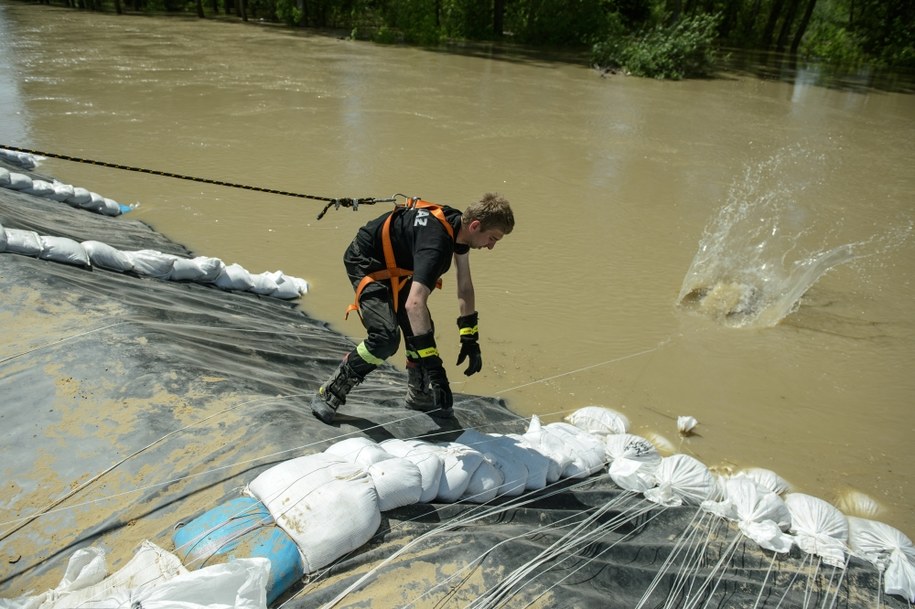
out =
column 327, row 505
column 759, row 513
column 887, row 548
column 819, row 528
column 686, row 425
column 681, row 479
column 599, row 420
column 425, row 457
column 633, row 461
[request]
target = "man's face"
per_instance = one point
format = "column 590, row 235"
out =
column 479, row 239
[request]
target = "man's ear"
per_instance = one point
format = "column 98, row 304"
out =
column 474, row 226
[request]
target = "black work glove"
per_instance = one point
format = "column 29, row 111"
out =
column 470, row 347
column 422, row 350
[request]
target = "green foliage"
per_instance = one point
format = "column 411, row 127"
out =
column 288, row 12
column 562, row 22
column 415, row 20
column 682, row 50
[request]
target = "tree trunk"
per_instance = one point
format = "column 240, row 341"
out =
column 200, row 13
column 802, row 26
column 243, row 9
column 675, row 11
column 498, row 18
column 770, row 24
column 788, row 21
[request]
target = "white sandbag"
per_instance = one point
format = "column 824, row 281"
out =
column 200, row 269
column 4, row 177
column 85, row 583
column 484, row 483
column 681, row 479
column 425, row 457
column 633, row 461
column 238, row 584
column 110, row 207
column 80, row 197
column 359, row 450
column 63, row 249
column 288, row 287
column 151, row 263
column 234, row 277
column 328, row 506
column 19, row 181
column 95, row 204
column 263, row 283
column 766, row 478
column 397, row 481
column 588, row 452
column 759, row 513
column 509, row 461
column 21, row 159
column 2, row 239
column 459, row 462
column 819, row 528
column 599, row 420
column 541, row 470
column 889, row 550
column 62, row 191
column 40, row 188
column 104, row 256
column 548, row 445
column 25, row 242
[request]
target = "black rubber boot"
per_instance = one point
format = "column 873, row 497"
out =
column 418, row 395
column 332, row 394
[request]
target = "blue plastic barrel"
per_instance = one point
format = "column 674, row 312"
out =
column 241, row 528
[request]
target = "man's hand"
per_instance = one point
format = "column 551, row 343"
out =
column 470, row 346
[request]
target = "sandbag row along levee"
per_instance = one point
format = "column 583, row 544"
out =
column 150, row 263
column 329, row 504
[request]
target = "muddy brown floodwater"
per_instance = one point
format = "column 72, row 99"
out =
column 778, row 210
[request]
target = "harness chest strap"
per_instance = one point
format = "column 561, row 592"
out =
column 392, row 273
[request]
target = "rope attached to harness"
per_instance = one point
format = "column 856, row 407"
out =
column 336, row 203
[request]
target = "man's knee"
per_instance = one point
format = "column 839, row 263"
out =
column 379, row 347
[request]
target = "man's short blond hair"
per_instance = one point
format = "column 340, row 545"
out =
column 493, row 211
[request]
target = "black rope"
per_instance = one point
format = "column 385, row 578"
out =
column 336, row 203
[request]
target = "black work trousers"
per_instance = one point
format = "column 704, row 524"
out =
column 376, row 305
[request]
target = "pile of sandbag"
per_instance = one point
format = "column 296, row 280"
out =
column 74, row 196
column 303, row 514
column 150, row 263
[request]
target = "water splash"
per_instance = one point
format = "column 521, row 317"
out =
column 765, row 247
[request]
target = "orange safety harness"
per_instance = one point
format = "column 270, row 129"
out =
column 396, row 275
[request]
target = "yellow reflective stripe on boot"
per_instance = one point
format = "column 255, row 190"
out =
column 469, row 330
column 365, row 354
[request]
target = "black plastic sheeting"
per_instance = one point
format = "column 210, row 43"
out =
column 129, row 405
